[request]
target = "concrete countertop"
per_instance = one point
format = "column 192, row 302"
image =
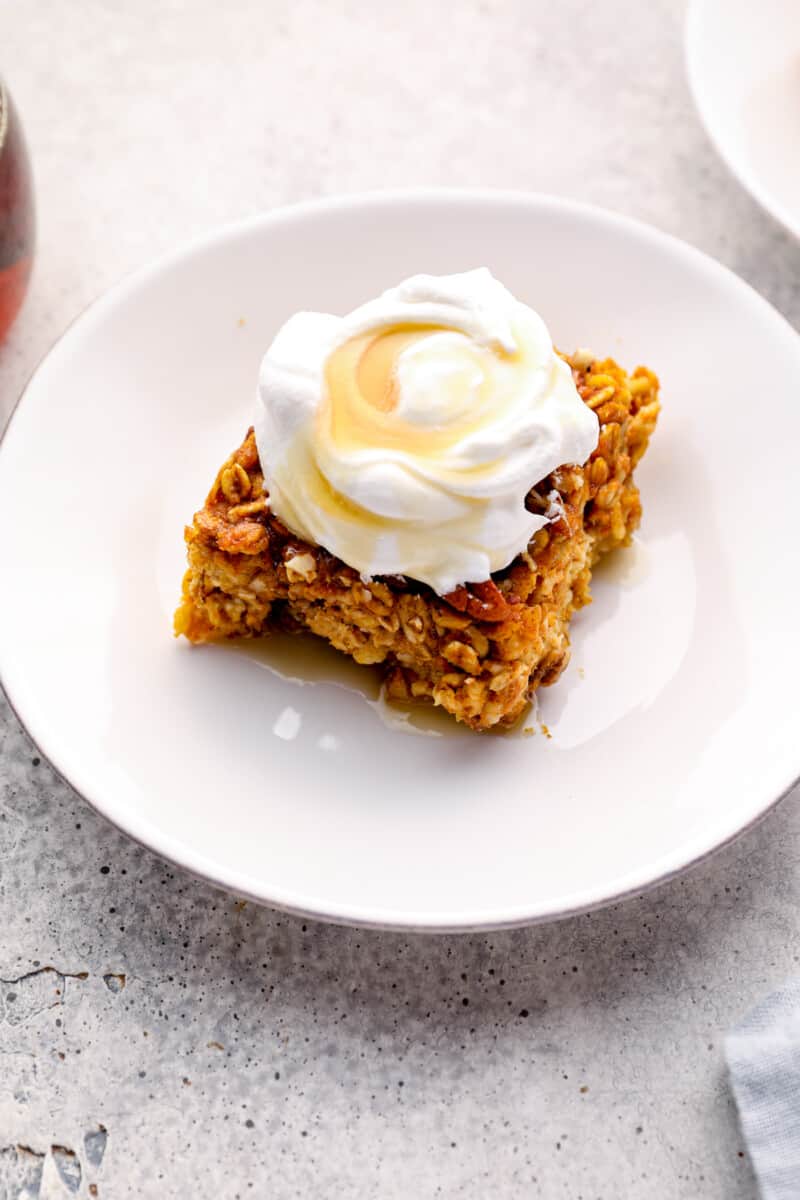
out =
column 159, row 1038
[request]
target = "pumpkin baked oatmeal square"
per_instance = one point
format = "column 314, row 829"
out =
column 481, row 650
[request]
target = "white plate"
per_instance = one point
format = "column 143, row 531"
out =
column 676, row 724
column 743, row 62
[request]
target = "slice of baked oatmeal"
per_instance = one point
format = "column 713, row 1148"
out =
column 479, row 652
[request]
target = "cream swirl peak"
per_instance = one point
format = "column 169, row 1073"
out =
column 405, row 436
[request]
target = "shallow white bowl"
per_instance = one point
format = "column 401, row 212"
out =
column 743, row 61
column 273, row 772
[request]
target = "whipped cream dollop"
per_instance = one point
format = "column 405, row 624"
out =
column 405, row 436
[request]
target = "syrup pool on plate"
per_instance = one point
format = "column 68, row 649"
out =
column 303, row 661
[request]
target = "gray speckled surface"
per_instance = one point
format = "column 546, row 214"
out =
column 157, row 1038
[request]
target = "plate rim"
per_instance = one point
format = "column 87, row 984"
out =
column 747, row 181
column 174, row 851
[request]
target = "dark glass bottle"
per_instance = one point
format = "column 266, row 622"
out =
column 17, row 217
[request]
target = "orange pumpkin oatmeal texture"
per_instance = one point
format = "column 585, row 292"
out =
column 479, row 652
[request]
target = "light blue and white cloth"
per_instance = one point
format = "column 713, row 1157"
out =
column 763, row 1054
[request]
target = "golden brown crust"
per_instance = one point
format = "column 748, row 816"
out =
column 479, row 652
